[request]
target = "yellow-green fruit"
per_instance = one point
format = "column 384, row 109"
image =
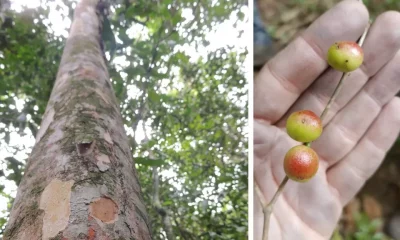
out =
column 345, row 56
column 304, row 126
column 301, row 163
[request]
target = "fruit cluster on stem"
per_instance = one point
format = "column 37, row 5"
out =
column 301, row 162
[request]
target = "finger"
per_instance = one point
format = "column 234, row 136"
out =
column 350, row 124
column 258, row 217
column 288, row 74
column 282, row 209
column 316, row 194
column 381, row 44
column 264, row 134
column 347, row 176
column 268, row 148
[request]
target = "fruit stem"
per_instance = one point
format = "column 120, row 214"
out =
column 267, row 208
column 364, row 35
column 334, row 95
column 344, row 76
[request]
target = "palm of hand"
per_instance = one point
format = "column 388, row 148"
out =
column 358, row 130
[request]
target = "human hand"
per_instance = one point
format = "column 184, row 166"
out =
column 359, row 128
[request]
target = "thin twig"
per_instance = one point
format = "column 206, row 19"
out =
column 333, row 97
column 364, row 35
column 341, row 81
column 267, row 208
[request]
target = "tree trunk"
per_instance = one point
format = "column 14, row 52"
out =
column 80, row 181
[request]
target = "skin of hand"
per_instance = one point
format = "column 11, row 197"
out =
column 360, row 127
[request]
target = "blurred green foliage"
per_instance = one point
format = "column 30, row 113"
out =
column 366, row 229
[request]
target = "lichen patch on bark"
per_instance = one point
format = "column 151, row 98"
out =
column 104, row 209
column 55, row 201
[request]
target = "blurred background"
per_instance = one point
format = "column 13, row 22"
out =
column 374, row 214
column 178, row 71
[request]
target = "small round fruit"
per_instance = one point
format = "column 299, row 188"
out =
column 304, row 126
column 301, row 163
column 345, row 56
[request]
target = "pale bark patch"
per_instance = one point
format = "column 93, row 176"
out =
column 107, row 137
column 55, row 201
column 103, row 162
column 103, row 96
column 88, row 72
column 62, row 163
column 104, row 209
column 88, row 106
column 61, row 81
column 45, row 124
column 57, row 134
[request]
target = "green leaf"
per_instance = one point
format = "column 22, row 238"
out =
column 109, row 38
column 240, row 15
column 124, row 37
column 149, row 162
column 153, row 96
column 130, row 11
column 176, row 18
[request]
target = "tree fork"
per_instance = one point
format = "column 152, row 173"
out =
column 80, row 181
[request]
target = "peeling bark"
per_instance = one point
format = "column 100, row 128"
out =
column 80, row 181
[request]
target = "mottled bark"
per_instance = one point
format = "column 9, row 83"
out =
column 80, row 181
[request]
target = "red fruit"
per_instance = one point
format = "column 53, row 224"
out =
column 304, row 126
column 345, row 56
column 301, row 163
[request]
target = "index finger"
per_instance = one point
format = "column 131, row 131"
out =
column 283, row 79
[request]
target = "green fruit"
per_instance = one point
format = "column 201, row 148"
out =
column 304, row 126
column 345, row 56
column 301, row 163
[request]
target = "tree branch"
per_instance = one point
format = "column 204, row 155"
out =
column 161, row 211
column 165, row 216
